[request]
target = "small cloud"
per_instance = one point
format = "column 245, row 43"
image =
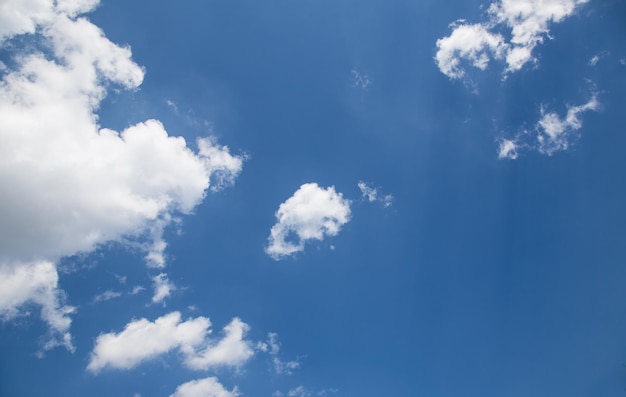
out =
column 172, row 105
column 207, row 387
column 136, row 289
column 312, row 213
column 120, row 279
column 106, row 295
column 594, row 60
column 507, row 149
column 371, row 194
column 272, row 347
column 299, row 391
column 359, row 80
column 163, row 287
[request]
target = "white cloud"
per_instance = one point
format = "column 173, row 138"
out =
column 37, row 283
column 232, row 350
column 107, row 295
column 528, row 22
column 143, row 340
column 555, row 133
column 312, row 213
column 474, row 43
column 207, row 387
column 551, row 133
column 507, row 149
column 67, row 185
column 272, row 347
column 163, row 287
column 371, row 194
column 299, row 391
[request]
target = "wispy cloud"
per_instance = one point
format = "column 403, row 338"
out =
column 359, row 79
column 552, row 133
column 372, row 194
column 272, row 347
column 312, row 213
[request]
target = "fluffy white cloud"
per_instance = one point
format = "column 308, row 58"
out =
column 143, row 340
column 66, row 184
column 207, row 387
column 474, row 43
column 312, row 213
column 232, row 350
column 528, row 22
column 371, row 194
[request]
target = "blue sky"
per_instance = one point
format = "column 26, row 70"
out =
column 312, row 198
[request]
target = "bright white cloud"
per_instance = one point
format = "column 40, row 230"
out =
column 312, row 213
column 232, row 350
column 207, row 387
column 371, row 194
column 474, row 43
column 528, row 22
column 66, row 184
column 143, row 340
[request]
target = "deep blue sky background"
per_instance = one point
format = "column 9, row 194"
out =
column 485, row 277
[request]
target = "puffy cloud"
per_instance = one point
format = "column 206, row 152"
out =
column 143, row 340
column 207, row 387
column 232, row 350
column 312, row 213
column 67, row 185
column 474, row 43
column 371, row 194
column 528, row 22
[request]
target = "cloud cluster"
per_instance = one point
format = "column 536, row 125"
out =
column 66, row 184
column 527, row 23
column 272, row 347
column 312, row 213
column 551, row 133
column 143, row 340
column 207, row 387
